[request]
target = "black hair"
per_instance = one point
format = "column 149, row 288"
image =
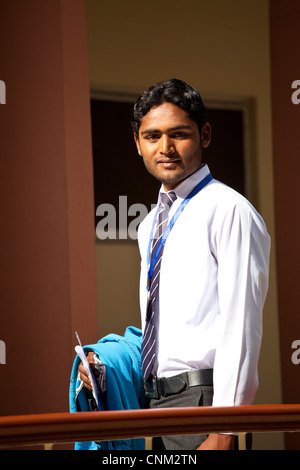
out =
column 173, row 91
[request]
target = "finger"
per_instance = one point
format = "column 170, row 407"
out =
column 83, row 375
column 91, row 360
column 86, row 381
column 90, row 357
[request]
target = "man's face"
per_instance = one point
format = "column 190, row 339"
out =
column 170, row 144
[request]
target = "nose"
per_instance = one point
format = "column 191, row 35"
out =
column 167, row 146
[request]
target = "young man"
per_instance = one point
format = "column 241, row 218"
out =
column 202, row 292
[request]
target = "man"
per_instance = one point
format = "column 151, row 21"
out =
column 204, row 277
column 203, row 291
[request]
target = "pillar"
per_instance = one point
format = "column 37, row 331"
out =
column 285, row 69
column 47, row 238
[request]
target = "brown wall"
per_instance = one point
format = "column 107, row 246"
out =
column 284, row 21
column 47, row 252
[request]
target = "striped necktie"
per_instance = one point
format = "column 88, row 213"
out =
column 150, row 341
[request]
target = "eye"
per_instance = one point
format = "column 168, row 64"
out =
column 180, row 135
column 152, row 137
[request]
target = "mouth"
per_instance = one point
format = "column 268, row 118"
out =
column 169, row 164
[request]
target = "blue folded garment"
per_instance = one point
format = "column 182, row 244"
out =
column 124, row 381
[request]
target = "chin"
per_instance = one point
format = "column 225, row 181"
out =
column 174, row 179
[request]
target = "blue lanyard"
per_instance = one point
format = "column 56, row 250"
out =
column 166, row 233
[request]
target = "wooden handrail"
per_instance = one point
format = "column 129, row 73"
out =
column 110, row 425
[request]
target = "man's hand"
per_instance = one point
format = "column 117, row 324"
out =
column 218, row 442
column 83, row 373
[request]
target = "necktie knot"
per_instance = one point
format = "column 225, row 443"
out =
column 167, row 199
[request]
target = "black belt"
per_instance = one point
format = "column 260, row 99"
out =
column 157, row 387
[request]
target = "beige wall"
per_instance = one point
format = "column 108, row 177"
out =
column 222, row 48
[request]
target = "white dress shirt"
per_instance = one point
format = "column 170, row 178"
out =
column 213, row 284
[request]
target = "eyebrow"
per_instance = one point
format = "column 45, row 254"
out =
column 171, row 129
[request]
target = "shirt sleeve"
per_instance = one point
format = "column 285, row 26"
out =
column 242, row 247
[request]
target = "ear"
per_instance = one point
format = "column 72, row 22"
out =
column 206, row 135
column 137, row 143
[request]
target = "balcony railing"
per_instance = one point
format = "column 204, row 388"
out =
column 109, row 425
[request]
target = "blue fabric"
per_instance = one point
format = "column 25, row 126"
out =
column 125, row 385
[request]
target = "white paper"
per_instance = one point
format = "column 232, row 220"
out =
column 96, row 392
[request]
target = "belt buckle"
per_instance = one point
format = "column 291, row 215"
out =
column 151, row 388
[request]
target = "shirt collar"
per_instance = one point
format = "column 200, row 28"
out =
column 186, row 186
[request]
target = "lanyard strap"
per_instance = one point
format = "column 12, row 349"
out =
column 166, row 233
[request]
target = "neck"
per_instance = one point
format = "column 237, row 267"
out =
column 169, row 186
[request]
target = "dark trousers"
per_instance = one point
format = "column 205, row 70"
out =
column 194, row 396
